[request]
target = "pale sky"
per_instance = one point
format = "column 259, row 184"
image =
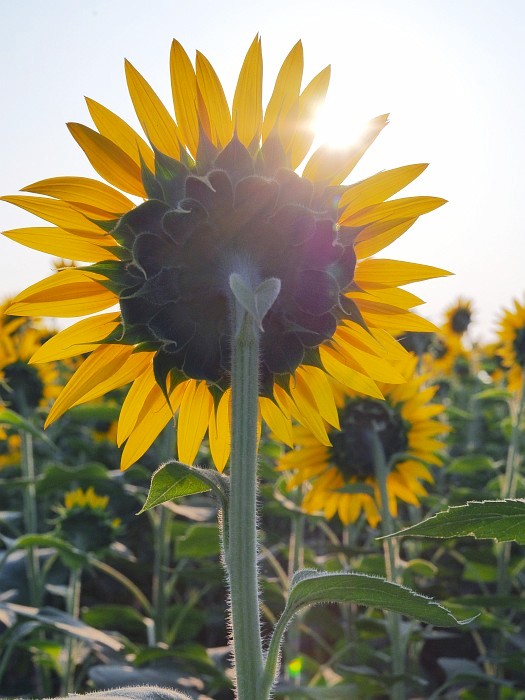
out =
column 451, row 73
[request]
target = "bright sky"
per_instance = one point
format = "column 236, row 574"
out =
column 449, row 72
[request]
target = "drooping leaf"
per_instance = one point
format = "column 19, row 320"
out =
column 503, row 521
column 65, row 623
column 15, row 420
column 310, row 587
column 174, row 479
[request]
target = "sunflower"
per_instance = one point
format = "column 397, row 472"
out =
column 446, row 356
column 24, row 387
column 85, row 520
column 218, row 193
column 458, row 317
column 340, row 477
column 512, row 344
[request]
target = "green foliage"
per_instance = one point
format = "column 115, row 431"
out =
column 503, row 521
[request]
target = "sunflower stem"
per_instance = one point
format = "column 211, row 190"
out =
column 241, row 556
column 30, row 515
column 508, row 490
column 391, row 552
column 73, row 608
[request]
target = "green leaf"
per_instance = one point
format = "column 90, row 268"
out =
column 199, row 541
column 336, row 692
column 256, row 302
column 503, row 521
column 471, row 464
column 499, row 394
column 58, row 476
column 310, row 587
column 8, row 417
column 136, row 692
column 70, row 555
column 174, row 479
column 66, row 623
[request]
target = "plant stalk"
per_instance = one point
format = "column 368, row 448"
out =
column 73, row 608
column 241, row 556
column 30, row 515
column 391, row 553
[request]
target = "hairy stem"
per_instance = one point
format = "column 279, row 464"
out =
column 241, row 556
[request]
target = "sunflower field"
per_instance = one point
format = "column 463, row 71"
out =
column 244, row 467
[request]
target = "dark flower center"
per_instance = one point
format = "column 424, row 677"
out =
column 351, row 450
column 22, row 388
column 460, row 320
column 439, row 348
column 519, row 346
column 251, row 216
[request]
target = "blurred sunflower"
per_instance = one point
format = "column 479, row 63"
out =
column 458, row 317
column 512, row 344
column 24, row 387
column 446, row 356
column 85, row 520
column 221, row 196
column 340, row 477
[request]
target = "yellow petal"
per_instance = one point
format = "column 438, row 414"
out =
column 247, row 101
column 336, row 365
column 117, row 130
column 279, row 423
column 379, row 315
column 89, row 196
column 110, row 161
column 107, row 368
column 309, row 101
column 60, row 243
column 59, row 213
column 66, row 294
column 194, row 416
column 401, row 208
column 378, row 369
column 134, row 401
column 393, row 348
column 212, row 94
column 184, row 89
column 153, row 416
column 333, row 166
column 77, row 339
column 379, row 235
column 220, row 431
column 286, row 90
column 317, row 381
column 393, row 273
column 379, row 187
column 159, row 126
column 308, row 413
column 394, row 297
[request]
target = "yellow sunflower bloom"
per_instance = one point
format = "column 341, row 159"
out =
column 24, row 387
column 458, row 317
column 340, row 477
column 220, row 192
column 85, row 520
column 512, row 344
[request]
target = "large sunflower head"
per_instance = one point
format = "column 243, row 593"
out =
column 219, row 193
column 340, row 476
column 24, row 387
column 512, row 343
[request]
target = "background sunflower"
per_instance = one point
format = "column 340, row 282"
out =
column 340, row 477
